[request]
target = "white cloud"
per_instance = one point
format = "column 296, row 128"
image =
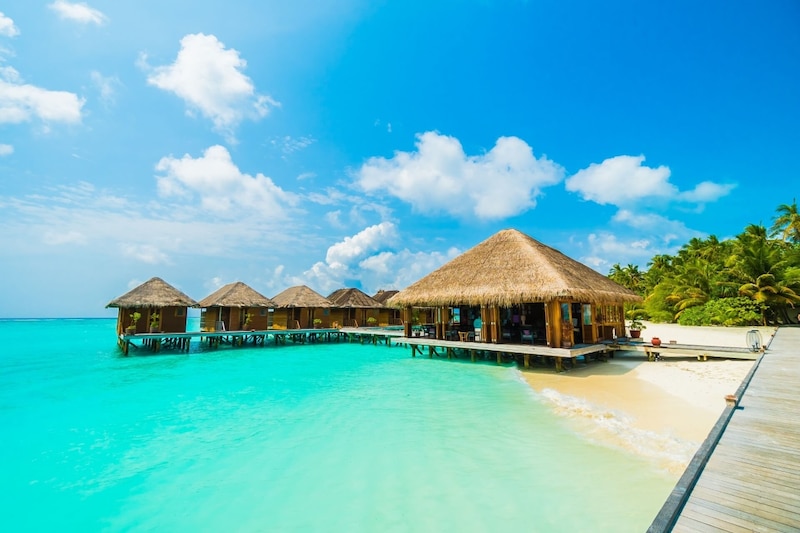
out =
column 20, row 102
column 621, row 180
column 369, row 259
column 209, row 78
column 221, row 186
column 78, row 12
column 146, row 253
column 7, row 26
column 652, row 223
column 368, row 240
column 64, row 237
column 707, row 191
column 6, row 149
column 106, row 86
column 439, row 176
column 288, row 144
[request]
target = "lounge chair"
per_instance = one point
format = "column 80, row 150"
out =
column 528, row 335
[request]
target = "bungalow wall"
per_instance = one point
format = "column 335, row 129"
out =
column 280, row 318
column 170, row 319
column 173, row 319
column 389, row 317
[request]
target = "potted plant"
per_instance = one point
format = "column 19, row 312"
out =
column 131, row 329
column 636, row 328
column 317, row 323
column 154, row 322
column 372, row 321
column 247, row 318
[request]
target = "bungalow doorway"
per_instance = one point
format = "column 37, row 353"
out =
column 577, row 330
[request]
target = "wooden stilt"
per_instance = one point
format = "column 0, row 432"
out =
column 526, row 358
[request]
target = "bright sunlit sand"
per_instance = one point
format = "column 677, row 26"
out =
column 660, row 410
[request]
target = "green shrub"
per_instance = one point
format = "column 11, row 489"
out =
column 738, row 311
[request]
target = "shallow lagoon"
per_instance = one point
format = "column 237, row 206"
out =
column 327, row 437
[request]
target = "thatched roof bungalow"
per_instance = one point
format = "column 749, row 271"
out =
column 159, row 306
column 512, row 288
column 387, row 316
column 235, row 306
column 355, row 307
column 299, row 306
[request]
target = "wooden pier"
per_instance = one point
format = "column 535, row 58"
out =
column 746, row 475
column 674, row 350
column 523, row 353
column 181, row 341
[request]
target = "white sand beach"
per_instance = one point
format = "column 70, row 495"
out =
column 660, row 410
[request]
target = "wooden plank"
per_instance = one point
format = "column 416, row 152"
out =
column 751, row 480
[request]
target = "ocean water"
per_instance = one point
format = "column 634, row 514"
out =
column 326, row 437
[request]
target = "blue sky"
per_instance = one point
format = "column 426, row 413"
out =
column 357, row 143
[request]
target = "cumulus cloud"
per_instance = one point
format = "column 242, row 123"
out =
column 439, row 176
column 620, row 180
column 370, row 260
column 7, row 26
column 707, row 191
column 624, row 179
column 368, row 240
column 210, row 79
column 221, row 186
column 78, row 12
column 21, row 102
column 6, row 149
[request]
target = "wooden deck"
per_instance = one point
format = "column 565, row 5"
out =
column 673, row 350
column 746, row 475
column 181, row 341
column 525, row 352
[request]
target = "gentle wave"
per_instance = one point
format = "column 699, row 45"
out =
column 614, row 428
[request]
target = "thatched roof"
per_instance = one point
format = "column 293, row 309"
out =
column 382, row 295
column 511, row 268
column 353, row 298
column 153, row 293
column 236, row 294
column 301, row 296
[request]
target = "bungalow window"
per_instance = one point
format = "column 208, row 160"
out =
column 180, row 311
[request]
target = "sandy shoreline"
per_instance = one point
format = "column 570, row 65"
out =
column 660, row 410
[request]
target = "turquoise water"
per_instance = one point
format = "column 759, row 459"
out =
column 333, row 437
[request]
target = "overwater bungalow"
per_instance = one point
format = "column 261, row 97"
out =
column 299, row 307
column 155, row 305
column 511, row 288
column 236, row 306
column 387, row 316
column 355, row 308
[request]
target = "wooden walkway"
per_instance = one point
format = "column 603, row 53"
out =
column 746, row 475
column 524, row 352
column 180, row 341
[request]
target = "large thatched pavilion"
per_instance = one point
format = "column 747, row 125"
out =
column 353, row 307
column 155, row 304
column 235, row 306
column 299, row 306
column 511, row 288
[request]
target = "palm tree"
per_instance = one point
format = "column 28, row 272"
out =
column 761, row 271
column 787, row 223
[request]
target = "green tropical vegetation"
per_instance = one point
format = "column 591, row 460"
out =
column 750, row 279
